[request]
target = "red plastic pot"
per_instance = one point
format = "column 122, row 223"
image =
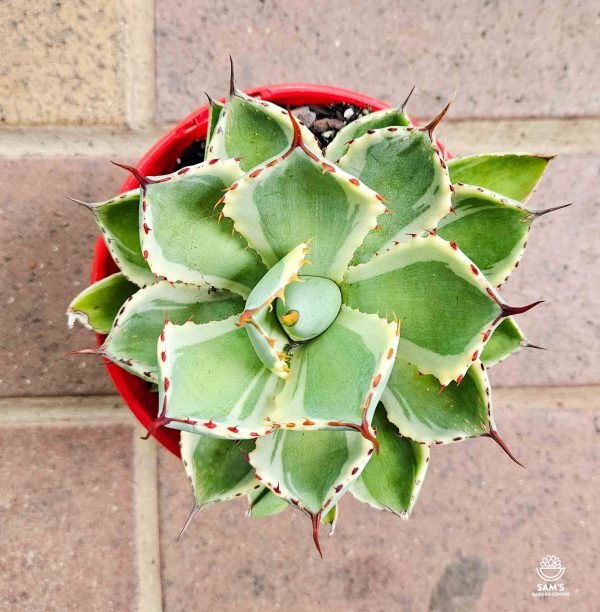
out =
column 160, row 160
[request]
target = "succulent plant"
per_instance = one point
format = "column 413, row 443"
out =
column 315, row 321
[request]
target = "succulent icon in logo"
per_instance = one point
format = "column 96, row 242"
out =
column 550, row 568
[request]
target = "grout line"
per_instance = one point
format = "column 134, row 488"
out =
column 139, row 65
column 543, row 136
column 71, row 410
column 110, row 409
column 583, row 397
column 145, row 508
column 546, row 136
column 107, row 142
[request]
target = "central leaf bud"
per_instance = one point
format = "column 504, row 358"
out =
column 311, row 305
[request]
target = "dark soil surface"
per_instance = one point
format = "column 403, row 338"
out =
column 323, row 121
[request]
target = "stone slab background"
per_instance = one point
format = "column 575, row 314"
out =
column 88, row 513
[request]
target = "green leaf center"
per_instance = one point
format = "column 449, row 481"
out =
column 310, row 307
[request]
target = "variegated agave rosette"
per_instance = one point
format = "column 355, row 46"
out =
column 315, row 321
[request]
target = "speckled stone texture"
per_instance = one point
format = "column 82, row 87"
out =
column 477, row 534
column 505, row 58
column 66, row 516
column 45, row 255
column 560, row 265
column 61, row 62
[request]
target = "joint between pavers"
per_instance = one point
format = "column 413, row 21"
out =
column 580, row 397
column 110, row 409
column 147, row 535
column 139, row 65
column 547, row 136
column 95, row 142
column 543, row 136
column 65, row 410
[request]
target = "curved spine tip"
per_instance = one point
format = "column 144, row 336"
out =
column 363, row 429
column 211, row 100
column 162, row 420
column 231, row 78
column 541, row 213
column 410, row 93
column 297, row 139
column 156, row 424
column 369, row 435
column 189, row 519
column 99, row 350
column 430, row 127
column 141, row 179
column 493, row 434
column 507, row 310
column 316, row 523
column 533, row 346
column 81, row 203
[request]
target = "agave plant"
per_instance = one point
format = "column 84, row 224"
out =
column 315, row 321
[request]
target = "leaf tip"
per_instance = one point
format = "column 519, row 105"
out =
column 430, row 127
column 141, row 179
column 410, row 93
column 494, row 435
column 316, row 523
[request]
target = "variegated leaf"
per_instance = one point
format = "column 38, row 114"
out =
column 132, row 340
column 336, row 379
column 489, row 229
column 388, row 117
column 217, row 469
column 183, row 237
column 506, row 339
column 212, row 381
column 269, row 341
column 300, row 196
column 97, row 305
column 263, row 502
column 514, row 175
column 428, row 413
column 262, row 325
column 118, row 220
column 393, row 477
column 310, row 469
column 215, row 109
column 446, row 307
column 405, row 167
column 255, row 131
